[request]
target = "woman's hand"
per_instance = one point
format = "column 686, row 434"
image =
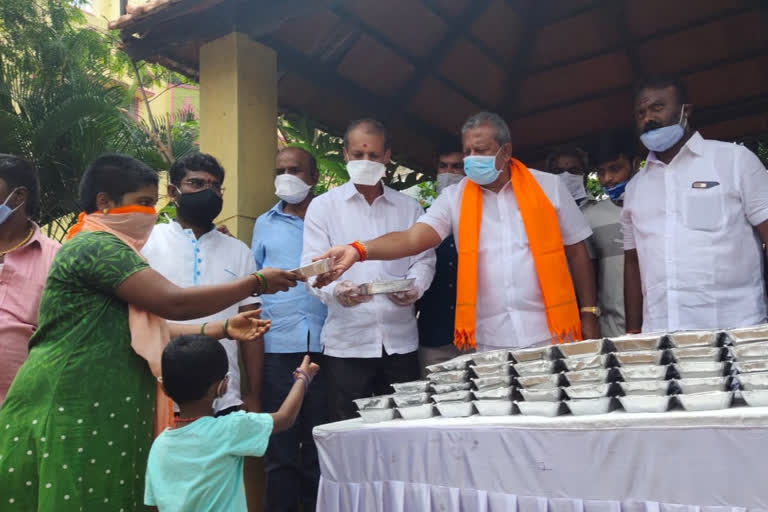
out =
column 247, row 326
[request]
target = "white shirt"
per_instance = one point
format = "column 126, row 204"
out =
column 341, row 216
column 510, row 308
column 215, row 258
column 691, row 222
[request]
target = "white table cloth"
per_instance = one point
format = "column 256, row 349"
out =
column 678, row 461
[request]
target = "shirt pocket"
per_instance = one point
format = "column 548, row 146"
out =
column 704, row 208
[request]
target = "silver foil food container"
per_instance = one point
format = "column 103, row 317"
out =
column 550, row 409
column 643, row 372
column 457, row 363
column 374, row 402
column 582, row 391
column 756, row 365
column 315, row 269
column 501, row 393
column 693, row 339
column 542, row 395
column 580, row 348
column 747, row 334
column 452, row 377
column 753, row 381
column 701, row 384
column 697, row 354
column 534, row 368
column 417, row 412
column 453, row 396
column 378, row 287
column 692, row 369
column 494, row 407
column 635, row 342
column 633, row 358
column 586, row 406
column 493, row 369
column 756, row 398
column 532, row 354
column 539, row 381
column 492, row 382
column 377, row 415
column 707, row 401
column 645, row 403
column 750, row 351
column 575, row 364
column 455, row 409
column 493, row 356
column 645, row 387
column 415, row 386
column 410, row 399
column 593, row 375
column 447, row 388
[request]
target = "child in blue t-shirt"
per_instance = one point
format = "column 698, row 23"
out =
column 198, row 465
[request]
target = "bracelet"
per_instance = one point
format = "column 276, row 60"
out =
column 226, row 325
column 262, row 281
column 361, row 249
column 202, row 328
column 300, row 375
column 260, row 278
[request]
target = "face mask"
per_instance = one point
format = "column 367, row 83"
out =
column 661, row 139
column 291, row 189
column 5, row 210
column 575, row 185
column 616, row 192
column 446, row 179
column 365, row 172
column 132, row 222
column 199, row 208
column 481, row 169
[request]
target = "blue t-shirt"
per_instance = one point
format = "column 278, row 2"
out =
column 200, row 466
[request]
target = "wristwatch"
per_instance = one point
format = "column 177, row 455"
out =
column 592, row 309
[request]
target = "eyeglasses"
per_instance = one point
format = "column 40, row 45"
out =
column 198, row 184
column 570, row 170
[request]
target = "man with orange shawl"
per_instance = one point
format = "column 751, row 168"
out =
column 518, row 231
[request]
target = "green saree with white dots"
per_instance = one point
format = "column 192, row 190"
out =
column 76, row 426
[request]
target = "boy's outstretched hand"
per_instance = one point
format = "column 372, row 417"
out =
column 308, row 367
column 247, row 326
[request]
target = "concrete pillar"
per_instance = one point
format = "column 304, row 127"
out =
column 238, row 125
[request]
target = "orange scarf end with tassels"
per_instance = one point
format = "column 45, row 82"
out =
column 546, row 246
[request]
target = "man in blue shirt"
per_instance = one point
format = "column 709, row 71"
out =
column 437, row 308
column 297, row 316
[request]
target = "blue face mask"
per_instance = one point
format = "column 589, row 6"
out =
column 5, row 210
column 661, row 139
column 481, row 169
column 617, row 191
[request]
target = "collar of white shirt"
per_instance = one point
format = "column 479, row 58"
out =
column 349, row 190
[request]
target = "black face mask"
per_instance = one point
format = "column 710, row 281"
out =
column 199, row 208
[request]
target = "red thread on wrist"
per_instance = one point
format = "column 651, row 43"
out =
column 361, row 250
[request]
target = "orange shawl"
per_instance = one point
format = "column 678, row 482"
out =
column 149, row 333
column 546, row 245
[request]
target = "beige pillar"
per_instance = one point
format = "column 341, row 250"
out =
column 238, row 118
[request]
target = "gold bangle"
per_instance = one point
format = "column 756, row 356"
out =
column 202, row 328
column 226, row 325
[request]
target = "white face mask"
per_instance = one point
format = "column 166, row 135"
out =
column 575, row 185
column 291, row 189
column 446, row 179
column 365, row 172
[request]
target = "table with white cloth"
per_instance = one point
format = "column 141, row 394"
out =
column 658, row 462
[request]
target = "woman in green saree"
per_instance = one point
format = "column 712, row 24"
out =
column 76, row 426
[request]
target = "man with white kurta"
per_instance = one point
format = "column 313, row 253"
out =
column 695, row 218
column 517, row 231
column 369, row 341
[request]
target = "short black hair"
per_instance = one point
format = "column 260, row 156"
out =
column 115, row 175
column 17, row 172
column 312, row 159
column 611, row 146
column 190, row 364
column 196, row 162
column 448, row 145
column 568, row 150
column 372, row 126
column 662, row 82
